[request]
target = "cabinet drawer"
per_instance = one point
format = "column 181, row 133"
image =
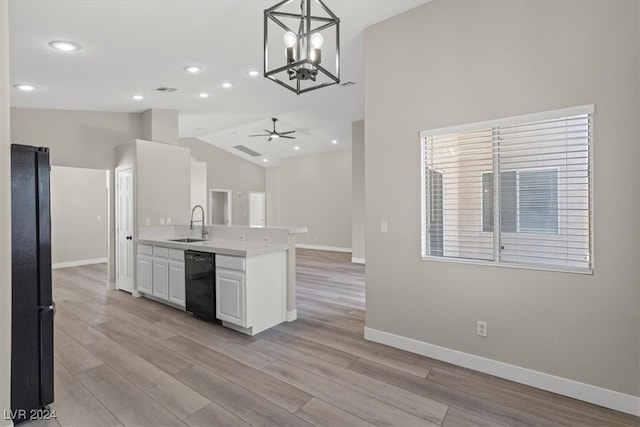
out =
column 230, row 262
column 176, row 254
column 145, row 249
column 160, row 252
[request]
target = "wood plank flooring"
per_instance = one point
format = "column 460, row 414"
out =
column 124, row 361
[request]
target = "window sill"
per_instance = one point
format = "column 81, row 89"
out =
column 506, row 265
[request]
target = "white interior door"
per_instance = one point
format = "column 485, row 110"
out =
column 124, row 230
column 257, row 209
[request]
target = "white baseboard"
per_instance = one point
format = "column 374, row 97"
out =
column 357, row 260
column 323, row 248
column 581, row 391
column 7, row 423
column 292, row 315
column 78, row 263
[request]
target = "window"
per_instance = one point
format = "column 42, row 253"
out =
column 528, row 201
column 515, row 191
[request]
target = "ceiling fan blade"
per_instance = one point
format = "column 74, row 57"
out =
column 262, row 134
column 288, row 137
column 287, row 132
column 267, row 131
column 269, row 140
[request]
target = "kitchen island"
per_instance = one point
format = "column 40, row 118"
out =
column 250, row 278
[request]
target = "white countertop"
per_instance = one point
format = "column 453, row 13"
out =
column 241, row 248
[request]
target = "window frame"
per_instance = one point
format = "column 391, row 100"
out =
column 509, row 121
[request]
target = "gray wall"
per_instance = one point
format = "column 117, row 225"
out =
column 314, row 191
column 229, row 172
column 358, row 191
column 5, row 218
column 78, row 198
column 84, row 139
column 473, row 61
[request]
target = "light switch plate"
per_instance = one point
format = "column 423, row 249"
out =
column 384, row 226
column 168, row 221
column 161, row 221
column 147, row 221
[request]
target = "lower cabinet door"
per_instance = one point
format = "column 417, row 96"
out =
column 176, row 283
column 161, row 278
column 230, row 297
column 144, row 279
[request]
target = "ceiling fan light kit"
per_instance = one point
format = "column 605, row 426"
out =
column 302, row 35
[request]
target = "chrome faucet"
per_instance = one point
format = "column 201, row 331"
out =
column 204, row 232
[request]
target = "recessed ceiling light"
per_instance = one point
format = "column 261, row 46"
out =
column 25, row 87
column 334, row 141
column 253, row 73
column 203, row 95
column 65, row 46
column 192, row 69
column 296, row 148
column 227, row 85
column 137, row 97
column 265, row 160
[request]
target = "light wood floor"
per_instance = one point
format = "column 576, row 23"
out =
column 125, row 361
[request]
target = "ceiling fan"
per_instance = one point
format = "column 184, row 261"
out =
column 275, row 134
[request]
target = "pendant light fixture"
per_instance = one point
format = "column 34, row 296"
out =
column 300, row 44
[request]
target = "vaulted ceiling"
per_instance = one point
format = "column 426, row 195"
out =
column 136, row 46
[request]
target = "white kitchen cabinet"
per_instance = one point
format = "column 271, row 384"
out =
column 161, row 278
column 230, row 300
column 160, row 274
column 251, row 291
column 176, row 282
column 145, row 274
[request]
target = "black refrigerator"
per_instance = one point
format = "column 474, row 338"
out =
column 32, row 300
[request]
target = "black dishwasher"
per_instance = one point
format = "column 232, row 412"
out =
column 200, row 284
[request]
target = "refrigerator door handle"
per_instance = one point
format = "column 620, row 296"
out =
column 51, row 307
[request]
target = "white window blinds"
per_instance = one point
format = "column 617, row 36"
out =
column 516, row 191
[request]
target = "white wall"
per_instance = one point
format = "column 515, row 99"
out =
column 5, row 218
column 160, row 126
column 314, row 191
column 163, row 183
column 199, row 189
column 473, row 61
column 78, row 215
column 358, row 192
column 228, row 171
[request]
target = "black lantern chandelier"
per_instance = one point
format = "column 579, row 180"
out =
column 303, row 37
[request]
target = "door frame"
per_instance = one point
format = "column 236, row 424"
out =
column 119, row 169
column 229, row 195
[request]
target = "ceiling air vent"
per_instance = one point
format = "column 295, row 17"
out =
column 166, row 89
column 247, row 150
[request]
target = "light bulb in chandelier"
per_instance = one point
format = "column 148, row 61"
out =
column 317, row 40
column 290, row 39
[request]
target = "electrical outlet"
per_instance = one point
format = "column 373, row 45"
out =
column 161, row 221
column 99, row 218
column 482, row 328
column 168, row 220
column 147, row 221
column 384, row 226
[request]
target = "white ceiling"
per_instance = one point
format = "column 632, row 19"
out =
column 136, row 46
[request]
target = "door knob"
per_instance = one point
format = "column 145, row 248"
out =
column 129, row 238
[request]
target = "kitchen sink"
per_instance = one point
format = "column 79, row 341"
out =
column 186, row 240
